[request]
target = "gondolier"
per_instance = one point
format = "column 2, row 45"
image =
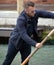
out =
column 20, row 38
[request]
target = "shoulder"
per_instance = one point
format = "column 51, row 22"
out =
column 40, row 11
column 22, row 16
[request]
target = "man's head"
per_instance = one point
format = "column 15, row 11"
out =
column 29, row 8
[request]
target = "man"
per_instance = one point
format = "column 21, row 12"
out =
column 20, row 38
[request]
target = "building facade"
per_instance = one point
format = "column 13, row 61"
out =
column 42, row 1
column 12, row 4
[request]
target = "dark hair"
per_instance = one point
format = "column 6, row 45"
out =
column 29, row 4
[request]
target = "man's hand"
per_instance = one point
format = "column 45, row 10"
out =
column 38, row 45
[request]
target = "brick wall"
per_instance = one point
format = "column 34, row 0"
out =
column 37, row 1
column 8, row 1
column 12, row 4
column 42, row 1
column 45, row 1
column 8, row 5
column 43, row 4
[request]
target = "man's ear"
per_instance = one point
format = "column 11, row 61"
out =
column 26, row 10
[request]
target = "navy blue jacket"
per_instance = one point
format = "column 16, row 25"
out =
column 25, row 27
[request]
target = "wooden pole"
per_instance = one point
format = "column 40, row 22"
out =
column 19, row 6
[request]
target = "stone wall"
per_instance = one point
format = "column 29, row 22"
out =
column 9, row 18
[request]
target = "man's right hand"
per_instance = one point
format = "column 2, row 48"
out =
column 38, row 45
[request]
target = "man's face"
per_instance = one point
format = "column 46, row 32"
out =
column 31, row 11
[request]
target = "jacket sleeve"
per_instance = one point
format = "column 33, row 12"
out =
column 23, row 32
column 45, row 14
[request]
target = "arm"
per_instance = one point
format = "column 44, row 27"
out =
column 23, row 32
column 45, row 14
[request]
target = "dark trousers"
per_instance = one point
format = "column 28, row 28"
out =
column 25, row 50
